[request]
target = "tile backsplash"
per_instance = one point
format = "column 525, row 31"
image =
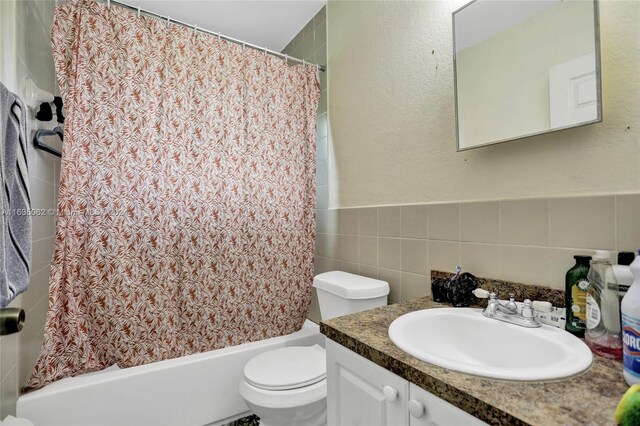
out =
column 531, row 241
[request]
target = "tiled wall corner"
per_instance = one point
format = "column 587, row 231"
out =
column 532, row 241
column 311, row 45
column 18, row 352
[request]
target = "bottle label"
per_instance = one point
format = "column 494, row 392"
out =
column 579, row 302
column 593, row 312
column 619, row 289
column 622, row 290
column 631, row 344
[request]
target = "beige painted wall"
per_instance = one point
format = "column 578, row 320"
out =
column 514, row 65
column 392, row 123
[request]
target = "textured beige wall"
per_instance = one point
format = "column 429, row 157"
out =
column 392, row 123
column 514, row 64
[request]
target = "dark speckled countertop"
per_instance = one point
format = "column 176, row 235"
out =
column 587, row 399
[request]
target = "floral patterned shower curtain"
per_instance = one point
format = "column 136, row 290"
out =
column 186, row 210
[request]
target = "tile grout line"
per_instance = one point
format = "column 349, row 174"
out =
column 549, row 241
column 400, row 296
column 615, row 222
column 11, row 369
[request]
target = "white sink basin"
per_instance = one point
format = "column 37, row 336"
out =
column 462, row 339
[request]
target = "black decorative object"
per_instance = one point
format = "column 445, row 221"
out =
column 439, row 290
column 456, row 290
column 459, row 291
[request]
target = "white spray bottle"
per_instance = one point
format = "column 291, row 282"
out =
column 630, row 310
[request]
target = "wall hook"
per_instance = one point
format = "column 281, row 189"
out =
column 34, row 95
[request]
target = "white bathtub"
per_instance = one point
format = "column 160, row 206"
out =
column 198, row 389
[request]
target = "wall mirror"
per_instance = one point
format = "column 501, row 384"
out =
column 524, row 68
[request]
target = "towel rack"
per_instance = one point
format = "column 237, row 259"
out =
column 41, row 145
column 11, row 320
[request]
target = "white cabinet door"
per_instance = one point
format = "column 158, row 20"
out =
column 360, row 392
column 427, row 409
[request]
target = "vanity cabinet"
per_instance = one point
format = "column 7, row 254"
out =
column 360, row 392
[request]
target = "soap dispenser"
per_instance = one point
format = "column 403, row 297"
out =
column 576, row 296
column 603, row 309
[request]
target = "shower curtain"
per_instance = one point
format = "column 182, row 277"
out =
column 186, row 210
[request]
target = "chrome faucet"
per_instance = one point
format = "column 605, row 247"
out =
column 494, row 305
column 508, row 312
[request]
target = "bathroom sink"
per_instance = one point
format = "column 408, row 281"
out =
column 462, row 339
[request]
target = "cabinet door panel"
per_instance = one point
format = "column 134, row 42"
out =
column 437, row 411
column 355, row 391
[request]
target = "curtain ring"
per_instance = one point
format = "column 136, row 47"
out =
column 243, row 45
column 265, row 51
column 168, row 21
column 218, row 37
column 195, row 29
column 108, row 4
column 304, row 63
column 286, row 59
column 138, row 12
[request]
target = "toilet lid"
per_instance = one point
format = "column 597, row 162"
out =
column 287, row 368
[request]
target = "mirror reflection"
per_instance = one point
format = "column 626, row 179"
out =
column 524, row 68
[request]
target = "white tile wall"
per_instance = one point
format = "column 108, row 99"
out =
column 18, row 352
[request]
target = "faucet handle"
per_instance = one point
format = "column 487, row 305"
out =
column 511, row 304
column 492, row 305
column 480, row 293
column 527, row 309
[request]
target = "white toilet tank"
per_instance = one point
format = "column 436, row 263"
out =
column 341, row 293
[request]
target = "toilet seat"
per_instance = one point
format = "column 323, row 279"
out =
column 287, row 368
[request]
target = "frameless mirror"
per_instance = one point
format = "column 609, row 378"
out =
column 523, row 68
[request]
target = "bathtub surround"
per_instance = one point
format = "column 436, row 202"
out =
column 26, row 52
column 186, row 215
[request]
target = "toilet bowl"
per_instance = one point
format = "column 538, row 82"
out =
column 288, row 386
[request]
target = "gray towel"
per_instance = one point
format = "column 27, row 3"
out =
column 15, row 218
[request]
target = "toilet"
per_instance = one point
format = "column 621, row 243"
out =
column 288, row 386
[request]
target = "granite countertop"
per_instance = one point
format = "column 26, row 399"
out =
column 587, row 399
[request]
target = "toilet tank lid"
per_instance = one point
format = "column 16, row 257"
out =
column 350, row 286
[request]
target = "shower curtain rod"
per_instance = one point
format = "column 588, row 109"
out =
column 322, row 68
